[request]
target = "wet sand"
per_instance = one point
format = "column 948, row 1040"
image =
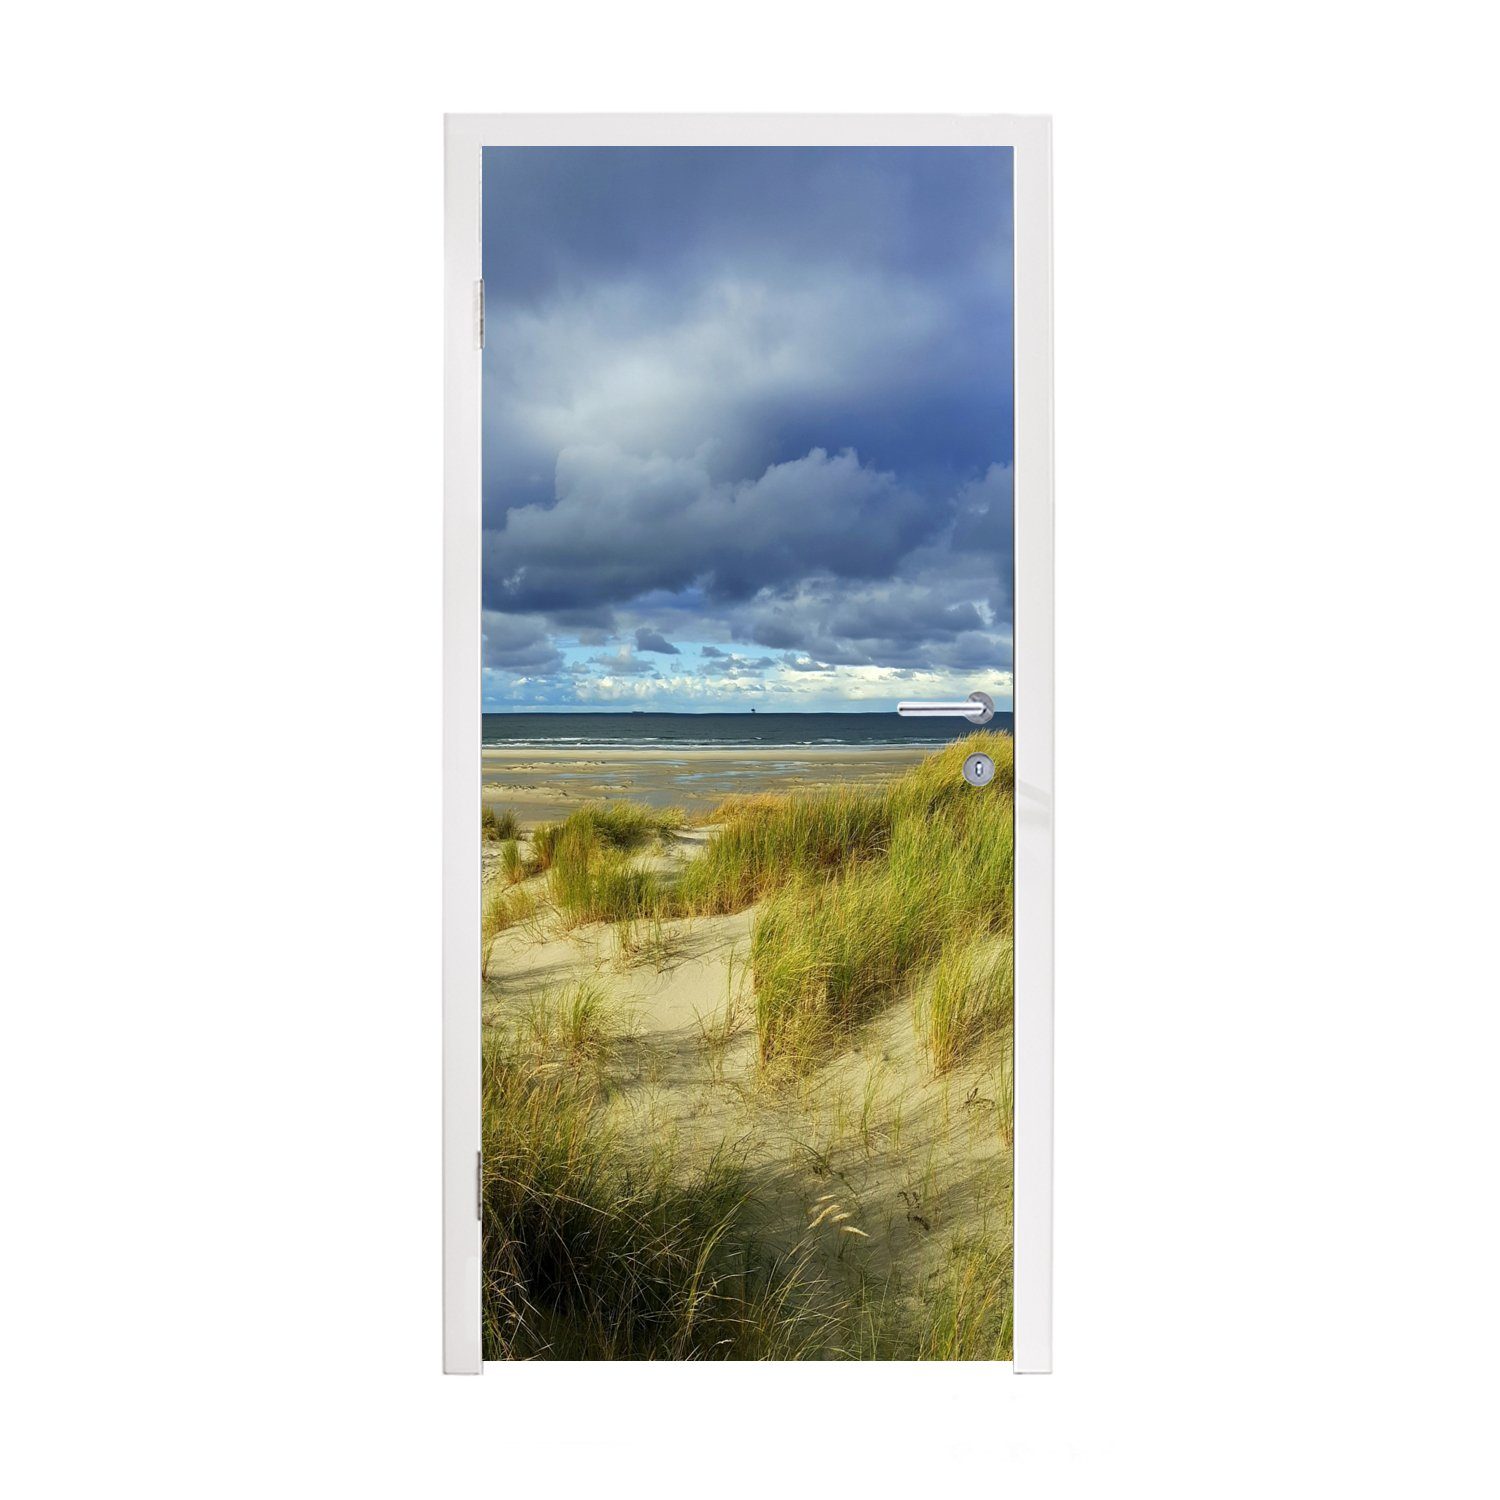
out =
column 540, row 784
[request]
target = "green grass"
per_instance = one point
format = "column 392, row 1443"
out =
column 574, row 1022
column 838, row 935
column 971, row 998
column 764, row 843
column 543, row 847
column 592, row 1253
column 861, row 893
column 596, row 883
column 512, row 866
column 968, row 1306
column 962, row 1310
column 623, row 825
column 497, row 825
column 595, row 874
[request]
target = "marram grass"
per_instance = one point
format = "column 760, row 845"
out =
column 763, row 843
column 970, row 998
column 860, row 893
column 591, row 1252
column 826, row 950
column 594, row 1251
column 497, row 825
column 597, row 873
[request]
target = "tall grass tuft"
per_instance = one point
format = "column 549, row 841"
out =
column 497, row 825
column 766, row 843
column 594, row 877
column 512, row 866
column 574, row 1022
column 623, row 825
column 646, row 940
column 591, row 1253
column 543, row 845
column 593, row 882
column 827, row 949
column 971, row 998
column 969, row 1310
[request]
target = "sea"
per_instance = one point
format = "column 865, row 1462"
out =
column 656, row 731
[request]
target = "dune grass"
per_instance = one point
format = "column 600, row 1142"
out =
column 575, row 1023
column 512, row 865
column 597, row 883
column 963, row 1310
column 623, row 825
column 861, row 892
column 593, row 1249
column 766, row 842
column 498, row 825
column 828, row 947
column 646, row 940
column 971, row 998
column 595, row 874
column 592, row 1253
column 969, row 1306
column 617, row 825
column 543, row 846
column 719, row 1029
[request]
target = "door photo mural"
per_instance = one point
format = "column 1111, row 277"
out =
column 747, row 945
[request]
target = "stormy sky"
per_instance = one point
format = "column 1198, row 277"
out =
column 747, row 427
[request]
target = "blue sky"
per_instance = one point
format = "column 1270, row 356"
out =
column 747, row 427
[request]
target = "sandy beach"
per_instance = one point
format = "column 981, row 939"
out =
column 540, row 784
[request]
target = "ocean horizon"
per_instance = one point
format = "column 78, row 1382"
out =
column 635, row 729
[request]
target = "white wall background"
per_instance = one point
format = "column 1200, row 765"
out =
column 219, row 593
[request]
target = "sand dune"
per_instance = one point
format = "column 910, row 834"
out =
column 879, row 1171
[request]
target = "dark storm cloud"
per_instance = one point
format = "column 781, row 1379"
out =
column 767, row 301
column 559, row 217
column 902, row 623
column 748, row 394
column 520, row 645
column 654, row 640
column 986, row 514
column 587, row 617
column 624, row 525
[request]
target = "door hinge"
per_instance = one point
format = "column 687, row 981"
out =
column 479, row 309
column 479, row 1186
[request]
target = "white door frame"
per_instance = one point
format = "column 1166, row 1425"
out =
column 1031, row 139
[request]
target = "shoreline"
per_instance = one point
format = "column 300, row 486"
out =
column 540, row 782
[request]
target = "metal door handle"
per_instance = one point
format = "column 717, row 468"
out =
column 977, row 708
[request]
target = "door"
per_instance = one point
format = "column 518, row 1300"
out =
column 746, row 932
